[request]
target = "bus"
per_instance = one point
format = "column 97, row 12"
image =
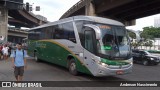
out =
column 87, row 44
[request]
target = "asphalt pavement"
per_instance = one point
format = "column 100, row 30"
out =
column 43, row 71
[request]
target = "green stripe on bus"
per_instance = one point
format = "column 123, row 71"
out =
column 112, row 62
column 49, row 48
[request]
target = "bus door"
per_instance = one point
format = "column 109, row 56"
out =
column 89, row 47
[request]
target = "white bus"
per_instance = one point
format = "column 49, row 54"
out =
column 87, row 44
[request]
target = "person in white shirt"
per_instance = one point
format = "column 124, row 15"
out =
column 5, row 52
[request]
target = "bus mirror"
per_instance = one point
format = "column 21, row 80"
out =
column 98, row 36
column 96, row 29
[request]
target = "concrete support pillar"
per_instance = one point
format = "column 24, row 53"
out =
column 130, row 23
column 40, row 22
column 3, row 24
column 90, row 8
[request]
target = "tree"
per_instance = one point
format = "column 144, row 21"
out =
column 150, row 33
column 150, row 44
column 132, row 35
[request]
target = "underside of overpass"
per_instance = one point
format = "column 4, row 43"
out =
column 16, row 36
column 15, row 39
column 25, row 17
column 125, row 11
column 17, row 23
column 19, row 17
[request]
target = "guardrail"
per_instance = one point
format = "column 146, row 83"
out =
column 32, row 14
column 18, row 30
column 13, row 4
column 74, row 8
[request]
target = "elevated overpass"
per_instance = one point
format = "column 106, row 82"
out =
column 20, row 17
column 125, row 11
column 16, row 35
column 17, row 23
column 26, row 17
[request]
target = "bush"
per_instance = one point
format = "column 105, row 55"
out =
column 154, row 51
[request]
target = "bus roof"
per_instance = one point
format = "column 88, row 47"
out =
column 98, row 20
column 86, row 18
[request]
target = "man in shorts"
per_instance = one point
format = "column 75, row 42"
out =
column 19, row 62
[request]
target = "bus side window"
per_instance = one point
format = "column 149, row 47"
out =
column 58, row 32
column 69, row 32
column 34, row 35
column 54, row 31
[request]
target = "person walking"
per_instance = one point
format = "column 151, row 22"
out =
column 1, row 53
column 9, row 50
column 5, row 52
column 19, row 62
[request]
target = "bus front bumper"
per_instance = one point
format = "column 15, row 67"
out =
column 113, row 70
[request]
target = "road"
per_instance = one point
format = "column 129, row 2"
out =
column 44, row 71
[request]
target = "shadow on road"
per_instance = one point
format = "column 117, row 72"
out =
column 83, row 76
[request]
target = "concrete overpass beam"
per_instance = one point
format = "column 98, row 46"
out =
column 3, row 23
column 90, row 8
column 130, row 23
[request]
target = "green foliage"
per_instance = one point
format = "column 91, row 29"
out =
column 148, row 43
column 132, row 35
column 136, row 44
column 150, row 33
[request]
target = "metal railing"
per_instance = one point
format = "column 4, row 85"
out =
column 18, row 30
column 74, row 8
column 32, row 14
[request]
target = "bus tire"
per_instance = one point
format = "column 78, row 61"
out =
column 72, row 67
column 36, row 58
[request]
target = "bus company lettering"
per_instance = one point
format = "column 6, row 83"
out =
column 41, row 45
column 26, row 84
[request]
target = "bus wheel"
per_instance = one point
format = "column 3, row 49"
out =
column 72, row 67
column 36, row 58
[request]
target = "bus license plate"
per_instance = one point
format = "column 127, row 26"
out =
column 120, row 72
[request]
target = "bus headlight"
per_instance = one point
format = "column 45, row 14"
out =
column 102, row 64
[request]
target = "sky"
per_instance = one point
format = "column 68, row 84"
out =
column 54, row 9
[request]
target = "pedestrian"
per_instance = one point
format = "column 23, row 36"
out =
column 5, row 52
column 1, row 54
column 9, row 50
column 19, row 62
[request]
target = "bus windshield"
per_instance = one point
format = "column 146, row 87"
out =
column 114, row 42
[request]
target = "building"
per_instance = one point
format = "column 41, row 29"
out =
column 156, row 45
column 157, row 21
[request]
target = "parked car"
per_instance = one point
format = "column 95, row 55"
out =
column 144, row 57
